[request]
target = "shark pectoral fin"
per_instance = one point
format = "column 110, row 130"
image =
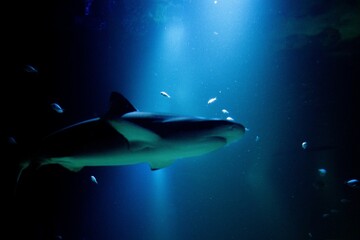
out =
column 71, row 167
column 133, row 132
column 140, row 146
column 67, row 163
column 74, row 169
column 159, row 164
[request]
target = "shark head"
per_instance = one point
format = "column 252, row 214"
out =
column 226, row 130
column 198, row 136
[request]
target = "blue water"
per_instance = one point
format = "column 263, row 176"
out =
column 286, row 71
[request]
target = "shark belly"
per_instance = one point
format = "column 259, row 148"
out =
column 160, row 155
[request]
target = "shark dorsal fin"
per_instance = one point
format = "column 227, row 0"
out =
column 119, row 105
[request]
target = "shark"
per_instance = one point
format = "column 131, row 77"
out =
column 127, row 136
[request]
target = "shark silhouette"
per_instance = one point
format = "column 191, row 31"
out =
column 125, row 136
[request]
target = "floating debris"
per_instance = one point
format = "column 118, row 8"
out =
column 304, row 145
column 211, row 100
column 165, row 94
column 322, row 172
column 57, row 108
column 93, row 179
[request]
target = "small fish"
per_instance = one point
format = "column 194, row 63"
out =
column 30, row 69
column 322, row 172
column 304, row 145
column 165, row 94
column 57, row 108
column 225, row 111
column 93, row 179
column 353, row 183
column 257, row 138
column 229, row 119
column 211, row 100
column 12, row 140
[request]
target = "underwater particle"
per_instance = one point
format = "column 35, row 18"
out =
column 93, row 179
column 211, row 100
column 247, row 129
column 257, row 138
column 225, row 111
column 322, row 172
column 304, row 145
column 165, row 94
column 12, row 140
column 30, row 69
column 326, row 215
column 334, row 211
column 57, row 108
column 353, row 183
column 345, row 201
column 318, row 184
column 229, row 119
column 88, row 9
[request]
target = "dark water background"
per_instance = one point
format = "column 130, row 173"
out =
column 287, row 70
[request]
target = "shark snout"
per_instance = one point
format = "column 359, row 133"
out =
column 232, row 132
